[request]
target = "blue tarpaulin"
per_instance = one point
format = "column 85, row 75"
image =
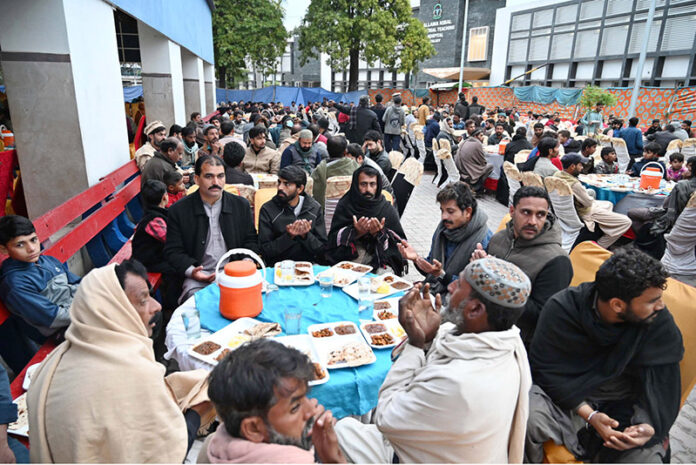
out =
column 131, row 93
column 546, row 95
column 286, row 95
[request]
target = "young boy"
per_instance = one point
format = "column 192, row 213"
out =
column 651, row 153
column 176, row 189
column 608, row 164
column 35, row 288
column 676, row 170
column 151, row 233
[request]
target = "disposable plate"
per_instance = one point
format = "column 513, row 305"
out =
column 345, row 273
column 301, row 267
column 303, row 343
column 382, row 286
column 230, row 337
column 332, row 347
column 382, row 329
column 21, row 426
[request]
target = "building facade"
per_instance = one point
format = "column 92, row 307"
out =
column 580, row 42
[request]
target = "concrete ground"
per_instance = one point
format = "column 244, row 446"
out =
column 420, row 219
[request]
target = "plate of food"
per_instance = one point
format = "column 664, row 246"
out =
column 214, row 347
column 302, row 275
column 380, row 287
column 383, row 333
column 341, row 345
column 303, row 343
column 21, row 426
column 344, row 273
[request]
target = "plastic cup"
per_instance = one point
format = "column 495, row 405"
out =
column 326, row 285
column 192, row 322
column 293, row 315
column 365, row 303
column 287, row 270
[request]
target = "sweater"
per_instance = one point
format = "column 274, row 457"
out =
column 265, row 161
column 149, row 239
column 634, row 140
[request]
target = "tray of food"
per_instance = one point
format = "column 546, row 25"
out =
column 302, row 275
column 214, row 347
column 21, row 426
column 303, row 343
column 380, row 287
column 344, row 273
column 383, row 334
column 341, row 345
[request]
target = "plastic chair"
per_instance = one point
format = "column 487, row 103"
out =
column 689, row 148
column 514, row 179
column 521, row 156
column 260, row 197
column 396, row 158
column 564, row 208
column 622, row 156
column 674, row 146
column 679, row 255
column 336, row 187
column 407, row 177
column 530, row 178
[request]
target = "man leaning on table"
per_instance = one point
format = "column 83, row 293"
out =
column 458, row 391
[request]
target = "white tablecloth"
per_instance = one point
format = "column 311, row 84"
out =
column 178, row 343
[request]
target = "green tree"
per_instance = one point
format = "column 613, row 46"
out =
column 592, row 95
column 247, row 29
column 350, row 30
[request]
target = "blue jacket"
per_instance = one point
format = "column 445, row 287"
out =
column 633, row 138
column 39, row 293
column 432, row 129
column 8, row 410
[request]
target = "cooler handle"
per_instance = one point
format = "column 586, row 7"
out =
column 251, row 253
column 659, row 165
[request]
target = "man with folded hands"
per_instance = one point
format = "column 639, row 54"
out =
column 458, row 391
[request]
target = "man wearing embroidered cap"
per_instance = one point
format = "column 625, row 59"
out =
column 458, row 391
column 156, row 132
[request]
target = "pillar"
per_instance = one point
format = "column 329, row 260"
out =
column 194, row 88
column 209, row 73
column 63, row 84
column 163, row 83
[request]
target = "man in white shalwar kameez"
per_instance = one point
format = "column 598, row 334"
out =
column 459, row 392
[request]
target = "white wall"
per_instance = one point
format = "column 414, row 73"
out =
column 98, row 88
column 177, row 82
column 49, row 36
column 677, row 67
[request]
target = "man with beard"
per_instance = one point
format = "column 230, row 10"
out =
column 259, row 158
column 202, row 226
column 303, row 153
column 605, row 360
column 156, row 132
column 538, row 133
column 374, row 150
column 211, row 144
column 365, row 227
column 291, row 224
column 362, row 119
column 532, row 241
column 188, row 134
column 458, row 391
column 165, row 160
column 472, row 163
column 592, row 212
column 463, row 225
column 260, row 394
column 499, row 134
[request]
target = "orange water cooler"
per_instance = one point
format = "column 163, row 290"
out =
column 502, row 145
column 651, row 176
column 241, row 286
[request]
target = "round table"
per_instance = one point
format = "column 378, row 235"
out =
column 606, row 187
column 349, row 391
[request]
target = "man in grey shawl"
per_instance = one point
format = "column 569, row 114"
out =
column 463, row 225
column 471, row 161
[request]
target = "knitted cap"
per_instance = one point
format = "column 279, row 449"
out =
column 154, row 127
column 498, row 281
column 306, row 134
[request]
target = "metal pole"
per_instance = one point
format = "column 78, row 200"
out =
column 641, row 61
column 465, row 31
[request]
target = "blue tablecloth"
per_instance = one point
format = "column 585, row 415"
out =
column 349, row 391
column 607, row 194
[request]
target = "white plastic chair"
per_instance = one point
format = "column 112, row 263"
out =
column 336, row 187
column 689, row 148
column 679, row 255
column 514, row 179
column 564, row 208
column 529, row 178
column 622, row 156
column 521, row 156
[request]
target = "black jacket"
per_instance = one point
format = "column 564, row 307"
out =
column 187, row 229
column 379, row 110
column 461, row 108
column 276, row 244
column 476, row 109
column 365, row 120
column 237, row 176
column 147, row 249
column 156, row 167
column 518, row 143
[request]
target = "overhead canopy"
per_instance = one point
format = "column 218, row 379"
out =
column 440, row 86
column 470, row 74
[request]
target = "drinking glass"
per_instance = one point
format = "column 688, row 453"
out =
column 287, row 270
column 365, row 303
column 293, row 315
column 326, row 285
column 272, row 298
column 192, row 322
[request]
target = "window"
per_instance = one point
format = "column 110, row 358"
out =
column 645, row 4
column 566, row 28
column 586, row 43
column 679, row 33
column 517, row 51
column 478, row 44
column 566, row 14
column 615, row 7
column 538, row 48
column 543, row 18
column 614, row 40
column 521, row 22
column 637, row 34
column 592, row 9
column 561, row 46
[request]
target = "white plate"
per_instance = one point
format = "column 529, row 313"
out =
column 27, row 376
column 223, row 338
column 391, row 327
column 352, row 290
column 303, row 343
column 295, row 282
column 326, row 345
column 342, row 276
column 21, row 426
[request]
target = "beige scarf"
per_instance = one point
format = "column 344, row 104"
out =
column 101, row 396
